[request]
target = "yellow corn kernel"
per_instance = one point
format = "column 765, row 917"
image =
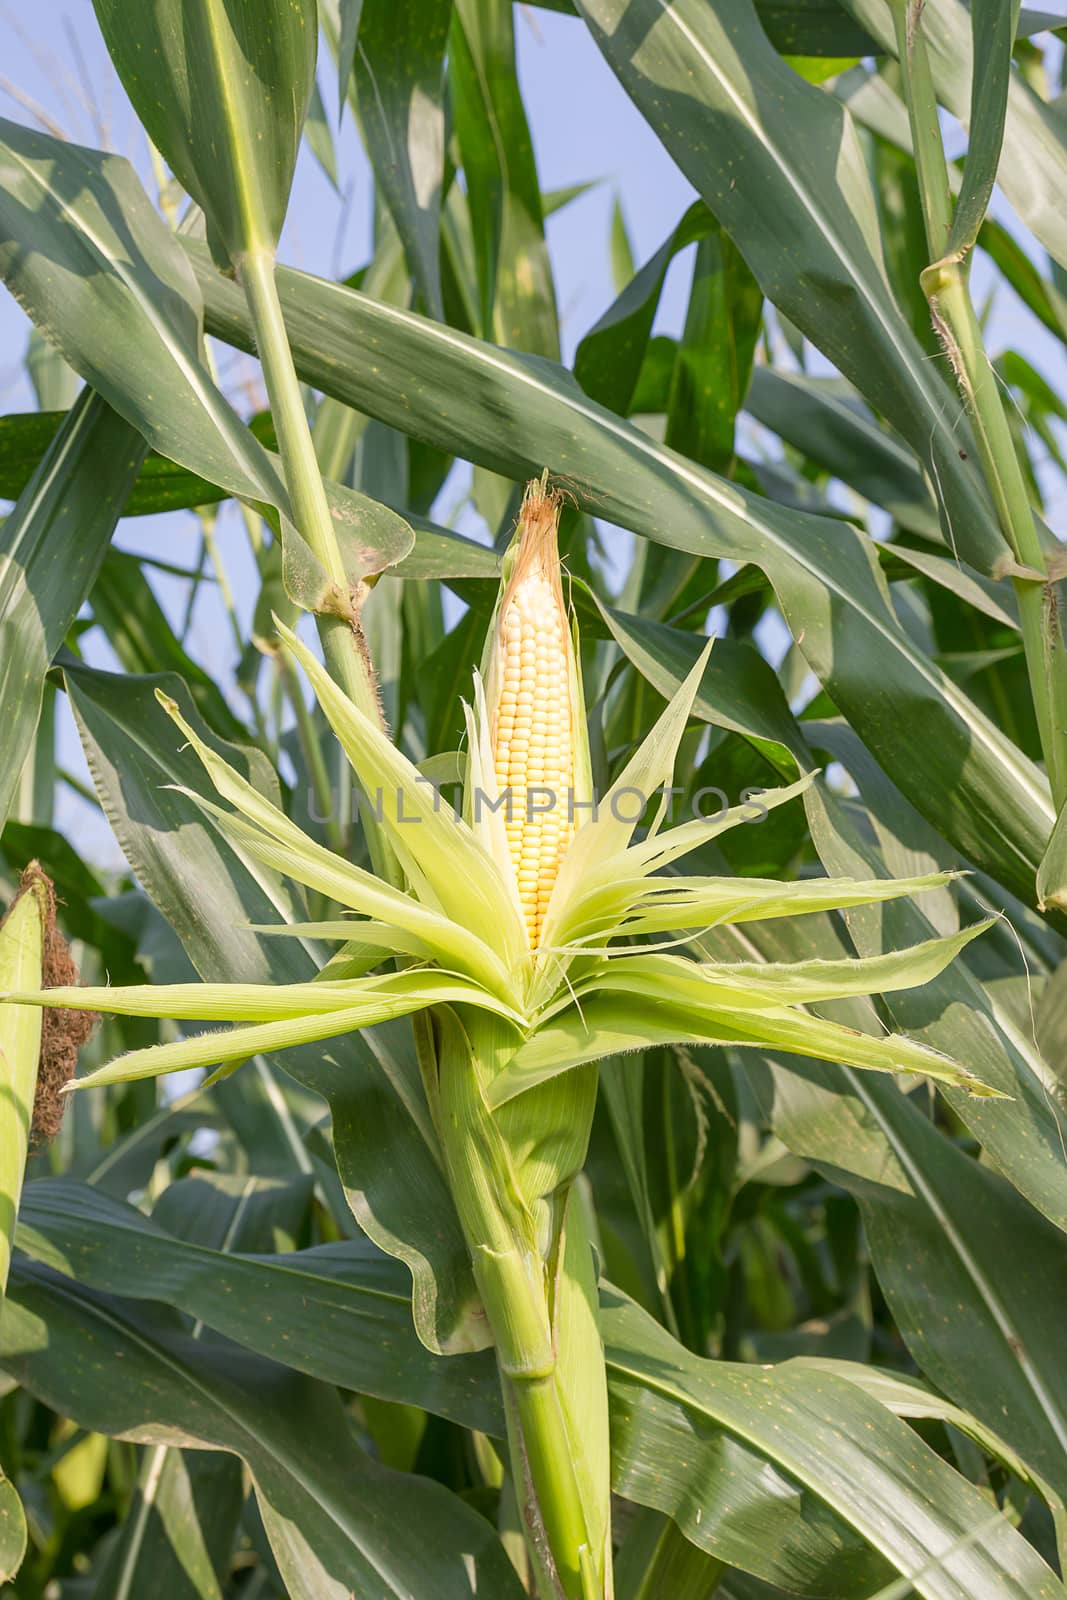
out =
column 533, row 736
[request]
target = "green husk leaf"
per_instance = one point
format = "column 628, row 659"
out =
column 612, row 1026
column 440, row 855
column 273, row 838
column 22, row 935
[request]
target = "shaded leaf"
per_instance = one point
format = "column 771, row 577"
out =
column 51, row 547
column 223, row 90
column 399, row 79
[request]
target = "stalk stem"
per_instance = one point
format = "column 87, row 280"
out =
column 513, row 1280
column 528, row 1367
column 342, row 641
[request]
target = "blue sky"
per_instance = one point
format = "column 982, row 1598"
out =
column 54, row 70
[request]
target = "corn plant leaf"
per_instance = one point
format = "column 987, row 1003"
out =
column 54, row 384
column 926, row 1520
column 938, row 1222
column 794, row 27
column 51, row 547
column 340, row 1310
column 343, row 18
column 222, row 86
column 739, row 689
column 337, row 1309
column 13, row 1532
column 956, row 1011
column 731, row 112
column 503, row 192
column 515, row 416
column 1052, row 873
column 91, row 261
column 964, row 1262
column 161, row 485
column 352, row 1302
column 607, row 362
column 399, row 82
column 383, row 1138
column 337, row 1521
column 812, row 28
column 910, row 1397
column 138, row 630
column 180, row 1530
column 993, row 39
column 825, row 418
column 714, row 357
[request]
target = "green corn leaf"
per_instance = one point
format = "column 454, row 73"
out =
column 993, row 37
column 814, row 1451
column 739, row 121
column 95, row 267
column 909, row 1397
column 739, row 689
column 953, row 1246
column 957, row 1012
column 1033, row 163
column 125, row 607
column 399, row 81
column 338, row 1306
column 503, row 191
column 51, row 547
column 827, row 421
column 607, row 362
column 161, row 485
column 223, row 87
column 338, row 1522
column 925, row 1519
column 714, row 356
column 13, row 1531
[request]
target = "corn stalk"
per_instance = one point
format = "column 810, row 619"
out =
column 951, row 233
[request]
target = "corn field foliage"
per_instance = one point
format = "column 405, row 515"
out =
column 558, row 1087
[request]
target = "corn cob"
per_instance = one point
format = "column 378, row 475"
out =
column 533, row 733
